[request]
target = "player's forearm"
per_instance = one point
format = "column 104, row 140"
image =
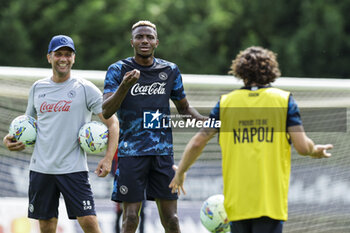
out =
column 317, row 151
column 302, row 143
column 184, row 108
column 112, row 103
column 190, row 155
column 194, row 113
column 310, row 146
column 194, row 149
column 113, row 138
column 112, row 124
column 305, row 146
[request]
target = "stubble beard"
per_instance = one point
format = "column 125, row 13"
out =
column 62, row 74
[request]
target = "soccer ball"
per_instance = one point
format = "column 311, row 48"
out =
column 213, row 215
column 24, row 129
column 93, row 137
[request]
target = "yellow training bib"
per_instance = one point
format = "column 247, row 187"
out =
column 256, row 153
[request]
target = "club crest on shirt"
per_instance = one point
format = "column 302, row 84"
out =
column 163, row 76
column 71, row 94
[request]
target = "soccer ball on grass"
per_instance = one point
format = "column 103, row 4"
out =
column 24, row 129
column 213, row 215
column 93, row 137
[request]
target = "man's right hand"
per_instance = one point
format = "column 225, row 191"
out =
column 13, row 145
column 131, row 77
column 112, row 101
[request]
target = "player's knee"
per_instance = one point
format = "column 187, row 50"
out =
column 130, row 223
column 89, row 223
column 48, row 226
column 131, row 219
column 171, row 223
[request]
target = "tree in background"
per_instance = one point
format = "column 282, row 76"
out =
column 310, row 37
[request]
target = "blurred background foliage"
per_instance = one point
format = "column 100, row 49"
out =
column 311, row 37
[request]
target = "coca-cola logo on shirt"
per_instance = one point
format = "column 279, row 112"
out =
column 60, row 106
column 153, row 89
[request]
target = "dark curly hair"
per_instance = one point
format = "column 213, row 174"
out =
column 255, row 65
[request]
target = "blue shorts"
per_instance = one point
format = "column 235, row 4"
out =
column 257, row 225
column 143, row 177
column 44, row 194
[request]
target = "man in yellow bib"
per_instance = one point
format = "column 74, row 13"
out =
column 258, row 125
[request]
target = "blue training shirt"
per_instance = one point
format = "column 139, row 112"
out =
column 145, row 105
